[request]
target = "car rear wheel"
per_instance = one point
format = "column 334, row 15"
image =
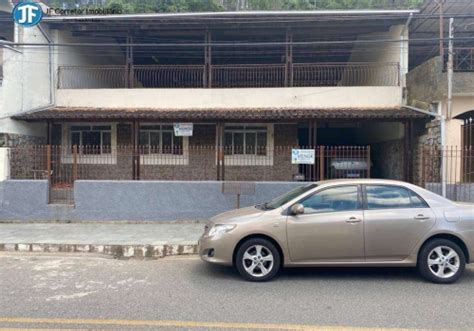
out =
column 441, row 261
column 258, row 260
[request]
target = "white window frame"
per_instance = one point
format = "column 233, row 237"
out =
column 252, row 159
column 161, row 158
column 66, row 138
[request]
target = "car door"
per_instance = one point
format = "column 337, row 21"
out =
column 396, row 218
column 331, row 227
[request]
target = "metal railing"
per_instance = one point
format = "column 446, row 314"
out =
column 251, row 75
column 449, row 170
column 229, row 76
column 164, row 76
column 62, row 165
column 92, row 77
column 342, row 74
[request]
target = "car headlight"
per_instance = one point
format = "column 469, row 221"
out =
column 220, row 228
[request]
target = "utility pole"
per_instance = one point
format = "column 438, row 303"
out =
column 449, row 106
column 441, row 29
column 450, row 68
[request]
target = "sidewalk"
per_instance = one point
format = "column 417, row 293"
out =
column 150, row 240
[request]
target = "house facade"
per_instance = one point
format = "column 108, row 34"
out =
column 211, row 96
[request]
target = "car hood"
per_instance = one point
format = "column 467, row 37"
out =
column 237, row 215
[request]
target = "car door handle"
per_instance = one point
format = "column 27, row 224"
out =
column 421, row 217
column 353, row 220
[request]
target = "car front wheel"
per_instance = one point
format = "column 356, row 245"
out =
column 258, row 260
column 441, row 261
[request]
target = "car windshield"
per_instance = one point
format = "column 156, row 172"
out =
column 283, row 199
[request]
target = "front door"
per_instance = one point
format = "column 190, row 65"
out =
column 396, row 219
column 331, row 228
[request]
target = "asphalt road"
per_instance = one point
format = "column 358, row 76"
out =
column 93, row 292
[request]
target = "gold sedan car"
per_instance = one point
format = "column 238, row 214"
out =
column 361, row 222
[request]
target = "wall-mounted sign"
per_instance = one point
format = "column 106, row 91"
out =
column 183, row 129
column 302, row 156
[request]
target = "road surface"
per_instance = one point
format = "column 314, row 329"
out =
column 94, row 292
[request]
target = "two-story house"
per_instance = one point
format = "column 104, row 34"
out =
column 106, row 94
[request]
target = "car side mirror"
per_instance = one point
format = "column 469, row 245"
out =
column 297, row 209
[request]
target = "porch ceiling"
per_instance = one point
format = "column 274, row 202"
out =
column 81, row 113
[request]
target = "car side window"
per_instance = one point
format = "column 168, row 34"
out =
column 390, row 197
column 342, row 198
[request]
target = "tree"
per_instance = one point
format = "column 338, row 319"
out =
column 172, row 6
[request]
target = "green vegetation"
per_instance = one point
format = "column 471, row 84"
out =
column 172, row 6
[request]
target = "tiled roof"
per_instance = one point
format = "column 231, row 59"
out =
column 80, row 113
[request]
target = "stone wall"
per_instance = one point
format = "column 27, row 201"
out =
column 14, row 139
column 431, row 137
column 285, row 136
column 388, row 158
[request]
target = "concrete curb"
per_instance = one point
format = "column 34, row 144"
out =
column 118, row 251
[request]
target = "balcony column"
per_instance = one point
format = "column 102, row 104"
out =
column 135, row 150
column 289, row 58
column 408, row 151
column 312, row 143
column 220, row 150
column 129, row 74
column 207, row 61
column 49, row 135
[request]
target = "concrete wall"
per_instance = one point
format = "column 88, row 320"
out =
column 428, row 83
column 26, row 83
column 388, row 52
column 128, row 200
column 298, row 97
column 85, row 56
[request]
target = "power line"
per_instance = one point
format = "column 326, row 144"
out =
column 232, row 44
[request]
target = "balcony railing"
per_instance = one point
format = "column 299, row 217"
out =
column 228, row 76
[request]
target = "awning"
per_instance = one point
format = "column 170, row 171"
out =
column 81, row 113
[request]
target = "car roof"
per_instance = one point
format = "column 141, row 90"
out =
column 362, row 181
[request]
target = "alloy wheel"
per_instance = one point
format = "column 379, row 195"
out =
column 443, row 262
column 257, row 260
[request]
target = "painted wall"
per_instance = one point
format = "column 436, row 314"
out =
column 298, row 97
column 26, row 83
column 129, row 200
column 384, row 52
column 453, row 126
column 84, row 56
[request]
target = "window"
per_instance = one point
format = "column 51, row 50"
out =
column 342, row 198
column 160, row 139
column 287, row 197
column 91, row 139
column 384, row 197
column 245, row 140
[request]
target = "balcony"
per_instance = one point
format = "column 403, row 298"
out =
column 229, row 76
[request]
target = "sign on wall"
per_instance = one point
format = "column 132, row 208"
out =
column 183, row 129
column 302, row 156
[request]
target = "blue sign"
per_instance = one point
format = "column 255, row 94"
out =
column 27, row 14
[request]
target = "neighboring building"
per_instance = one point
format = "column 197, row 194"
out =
column 254, row 85
column 427, row 84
